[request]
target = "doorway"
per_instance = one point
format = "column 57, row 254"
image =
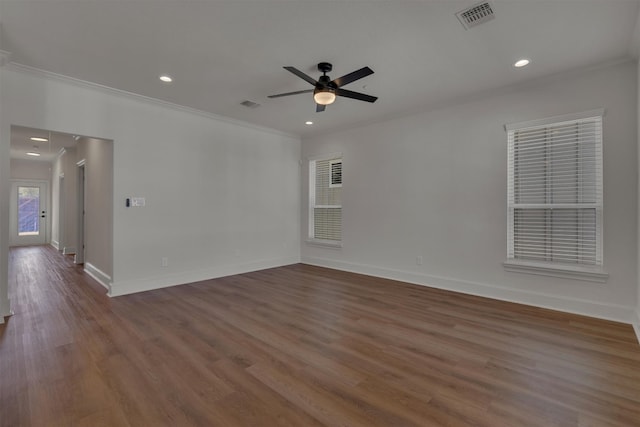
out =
column 28, row 213
column 78, row 171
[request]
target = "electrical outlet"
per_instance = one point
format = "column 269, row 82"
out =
column 419, row 260
column 164, row 262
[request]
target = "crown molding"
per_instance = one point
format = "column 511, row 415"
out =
column 26, row 69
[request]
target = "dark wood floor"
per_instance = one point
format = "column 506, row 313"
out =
column 301, row 346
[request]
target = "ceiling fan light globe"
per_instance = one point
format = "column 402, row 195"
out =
column 324, row 97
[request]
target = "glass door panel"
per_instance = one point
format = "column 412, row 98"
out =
column 28, row 211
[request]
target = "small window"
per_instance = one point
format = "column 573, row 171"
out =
column 554, row 195
column 335, row 168
column 325, row 207
column 28, row 211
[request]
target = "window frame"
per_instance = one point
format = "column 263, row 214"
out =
column 311, row 161
column 578, row 271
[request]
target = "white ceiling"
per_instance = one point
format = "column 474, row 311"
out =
column 221, row 53
column 21, row 143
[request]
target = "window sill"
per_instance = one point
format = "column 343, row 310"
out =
column 325, row 243
column 590, row 274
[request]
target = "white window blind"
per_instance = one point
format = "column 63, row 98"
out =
column 325, row 187
column 555, row 192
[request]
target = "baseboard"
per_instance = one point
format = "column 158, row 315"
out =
column 5, row 312
column 99, row 275
column 613, row 312
column 148, row 284
column 68, row 250
column 636, row 323
column 55, row 244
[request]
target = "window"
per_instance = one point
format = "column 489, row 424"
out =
column 28, row 211
column 335, row 169
column 555, row 195
column 325, row 206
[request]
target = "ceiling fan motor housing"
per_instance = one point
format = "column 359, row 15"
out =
column 325, row 67
column 325, row 82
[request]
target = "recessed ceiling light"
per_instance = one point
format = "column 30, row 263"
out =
column 33, row 153
column 308, row 123
column 36, row 138
column 521, row 63
column 165, row 78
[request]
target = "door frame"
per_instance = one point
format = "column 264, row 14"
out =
column 61, row 213
column 81, row 197
column 13, row 220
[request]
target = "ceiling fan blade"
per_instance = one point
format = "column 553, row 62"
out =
column 356, row 95
column 320, row 108
column 300, row 74
column 291, row 93
column 352, row 77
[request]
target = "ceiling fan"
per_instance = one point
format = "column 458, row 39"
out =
column 326, row 90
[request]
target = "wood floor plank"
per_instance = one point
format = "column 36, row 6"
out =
column 301, row 346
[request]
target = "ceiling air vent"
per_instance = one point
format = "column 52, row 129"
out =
column 250, row 104
column 476, row 15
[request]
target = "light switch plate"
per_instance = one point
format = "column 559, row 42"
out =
column 137, row 202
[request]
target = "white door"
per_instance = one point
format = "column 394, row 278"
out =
column 28, row 216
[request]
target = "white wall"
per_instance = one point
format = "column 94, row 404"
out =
column 30, row 169
column 434, row 185
column 5, row 177
column 634, row 51
column 98, row 204
column 221, row 197
column 63, row 235
column 636, row 322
